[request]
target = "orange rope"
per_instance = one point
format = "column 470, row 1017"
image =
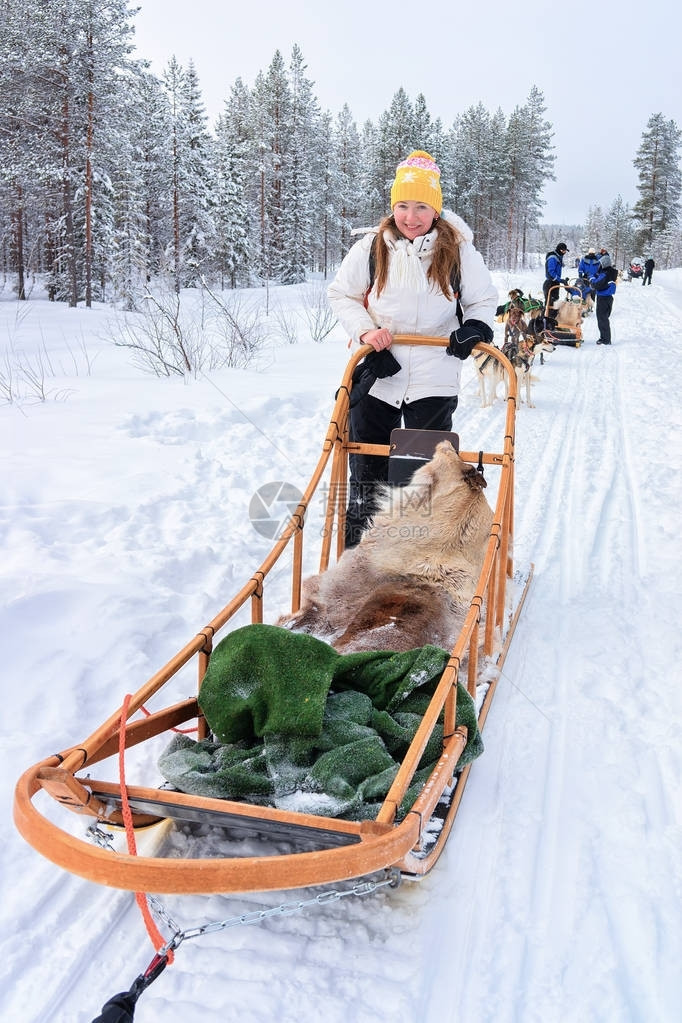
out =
column 180, row 731
column 153, row 931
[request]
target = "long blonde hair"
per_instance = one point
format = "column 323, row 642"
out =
column 445, row 255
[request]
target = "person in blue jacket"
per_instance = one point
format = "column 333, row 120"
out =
column 588, row 267
column 554, row 266
column 604, row 284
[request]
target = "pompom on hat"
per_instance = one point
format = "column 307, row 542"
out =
column 417, row 179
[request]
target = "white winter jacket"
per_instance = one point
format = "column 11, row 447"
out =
column 411, row 304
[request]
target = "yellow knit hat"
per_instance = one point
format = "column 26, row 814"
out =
column 418, row 178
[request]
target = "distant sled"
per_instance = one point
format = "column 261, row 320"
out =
column 411, row 813
column 562, row 321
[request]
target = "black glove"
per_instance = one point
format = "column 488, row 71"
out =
column 564, row 280
column 376, row 364
column 463, row 339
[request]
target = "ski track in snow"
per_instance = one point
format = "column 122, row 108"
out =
column 557, row 897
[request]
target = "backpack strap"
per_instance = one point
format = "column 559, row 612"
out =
column 455, row 284
column 372, row 267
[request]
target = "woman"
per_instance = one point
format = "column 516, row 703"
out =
column 411, row 275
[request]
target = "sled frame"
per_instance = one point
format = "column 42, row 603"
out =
column 334, row 849
column 561, row 335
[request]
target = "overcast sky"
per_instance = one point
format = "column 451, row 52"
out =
column 603, row 68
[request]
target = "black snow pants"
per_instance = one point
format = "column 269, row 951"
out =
column 604, row 307
column 371, row 422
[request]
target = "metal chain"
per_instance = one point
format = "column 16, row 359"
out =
column 391, row 878
column 360, row 888
column 97, row 834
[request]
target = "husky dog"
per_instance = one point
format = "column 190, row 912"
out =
column 411, row 578
column 521, row 350
column 522, row 356
column 516, row 301
column 489, row 373
column 515, row 326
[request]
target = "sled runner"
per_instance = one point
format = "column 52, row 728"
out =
column 407, row 834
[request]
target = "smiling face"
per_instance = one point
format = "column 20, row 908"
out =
column 413, row 219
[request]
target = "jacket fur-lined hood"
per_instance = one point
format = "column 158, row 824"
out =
column 459, row 225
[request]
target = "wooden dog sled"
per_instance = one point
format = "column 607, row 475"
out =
column 553, row 329
column 324, row 849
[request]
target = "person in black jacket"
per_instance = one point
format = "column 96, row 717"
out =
column 648, row 271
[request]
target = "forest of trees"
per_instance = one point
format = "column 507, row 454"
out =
column 652, row 225
column 111, row 177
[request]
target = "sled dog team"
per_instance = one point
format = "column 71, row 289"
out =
column 524, row 338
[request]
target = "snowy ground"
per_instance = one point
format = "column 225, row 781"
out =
column 125, row 527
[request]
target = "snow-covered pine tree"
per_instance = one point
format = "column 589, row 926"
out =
column 466, row 170
column 272, row 103
column 540, row 161
column 373, row 203
column 595, row 230
column 234, row 169
column 142, row 187
column 529, row 166
column 323, row 218
column 62, row 99
column 660, row 179
column 192, row 187
column 428, row 132
column 495, row 183
column 19, row 133
column 618, row 234
column 397, row 137
column 197, row 213
column 345, row 193
column 174, row 81
column 104, row 34
column 302, row 168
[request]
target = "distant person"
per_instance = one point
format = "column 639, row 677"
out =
column 648, row 271
column 604, row 284
column 554, row 267
column 588, row 267
column 604, row 258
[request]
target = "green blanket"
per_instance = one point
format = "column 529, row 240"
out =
column 301, row 727
column 528, row 305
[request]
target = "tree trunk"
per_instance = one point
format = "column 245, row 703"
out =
column 69, row 245
column 18, row 238
column 88, row 180
column 176, row 213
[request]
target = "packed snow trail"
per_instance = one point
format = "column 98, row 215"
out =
column 573, row 718
column 557, row 897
